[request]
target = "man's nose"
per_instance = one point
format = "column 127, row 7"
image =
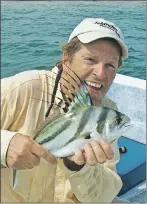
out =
column 99, row 70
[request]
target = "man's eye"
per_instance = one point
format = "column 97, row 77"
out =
column 90, row 59
column 111, row 65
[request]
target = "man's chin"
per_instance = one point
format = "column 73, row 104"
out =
column 96, row 96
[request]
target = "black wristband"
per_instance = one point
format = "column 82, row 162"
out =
column 71, row 165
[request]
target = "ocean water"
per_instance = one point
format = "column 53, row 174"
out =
column 33, row 31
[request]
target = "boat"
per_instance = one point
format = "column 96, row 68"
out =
column 130, row 95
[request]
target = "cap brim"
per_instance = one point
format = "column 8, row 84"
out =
column 91, row 36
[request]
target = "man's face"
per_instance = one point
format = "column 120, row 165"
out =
column 96, row 63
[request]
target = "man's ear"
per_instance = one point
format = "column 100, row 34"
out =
column 65, row 58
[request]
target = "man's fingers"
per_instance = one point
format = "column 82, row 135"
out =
column 49, row 157
column 90, row 156
column 107, row 149
column 98, row 151
column 27, row 165
column 42, row 153
column 79, row 157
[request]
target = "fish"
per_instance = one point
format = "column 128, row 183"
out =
column 74, row 129
column 62, row 134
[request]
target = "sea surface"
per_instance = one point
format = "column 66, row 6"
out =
column 33, row 31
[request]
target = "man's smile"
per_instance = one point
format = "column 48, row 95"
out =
column 94, row 86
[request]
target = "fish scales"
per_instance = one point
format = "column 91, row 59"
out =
column 68, row 133
column 49, row 127
column 44, row 131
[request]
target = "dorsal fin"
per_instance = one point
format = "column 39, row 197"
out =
column 74, row 91
column 82, row 96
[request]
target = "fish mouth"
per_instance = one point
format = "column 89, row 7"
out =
column 129, row 124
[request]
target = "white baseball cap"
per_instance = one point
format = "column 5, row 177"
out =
column 91, row 29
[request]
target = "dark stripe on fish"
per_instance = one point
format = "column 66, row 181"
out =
column 60, row 130
column 82, row 124
column 102, row 119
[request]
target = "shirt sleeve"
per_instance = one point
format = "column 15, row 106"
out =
column 6, row 136
column 99, row 183
column 95, row 184
column 13, row 95
column 17, row 107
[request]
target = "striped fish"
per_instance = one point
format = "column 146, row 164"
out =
column 73, row 130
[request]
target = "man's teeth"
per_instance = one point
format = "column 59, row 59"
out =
column 93, row 84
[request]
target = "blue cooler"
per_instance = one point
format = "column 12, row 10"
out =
column 132, row 165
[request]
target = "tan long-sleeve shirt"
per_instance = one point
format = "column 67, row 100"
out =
column 24, row 104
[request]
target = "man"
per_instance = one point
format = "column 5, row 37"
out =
column 94, row 51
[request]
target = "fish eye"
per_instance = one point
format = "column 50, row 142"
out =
column 118, row 120
column 87, row 137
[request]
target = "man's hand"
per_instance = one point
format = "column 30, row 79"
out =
column 93, row 153
column 24, row 153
